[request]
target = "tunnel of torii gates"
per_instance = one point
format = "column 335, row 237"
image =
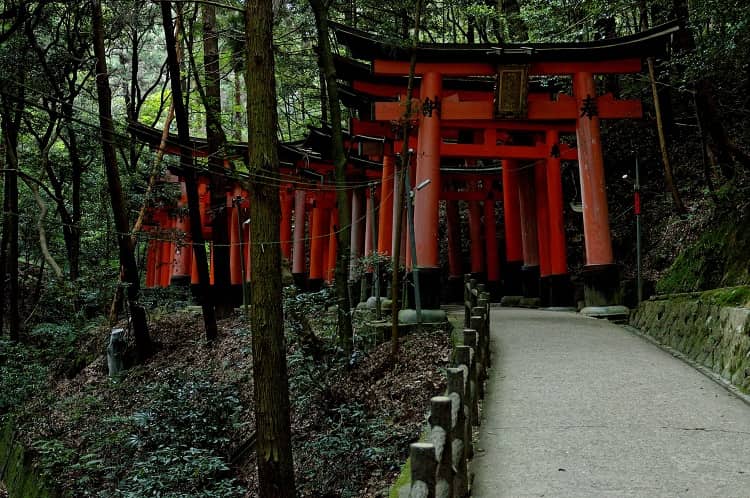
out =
column 490, row 124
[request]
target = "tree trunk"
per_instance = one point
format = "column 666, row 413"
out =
column 119, row 209
column 188, row 174
column 343, row 234
column 4, row 245
column 517, row 29
column 216, row 141
column 668, row 176
column 274, row 451
column 11, row 115
column 397, row 207
column 725, row 151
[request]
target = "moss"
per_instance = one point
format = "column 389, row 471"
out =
column 717, row 259
column 728, row 296
column 404, row 478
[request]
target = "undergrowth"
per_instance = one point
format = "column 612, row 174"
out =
column 717, row 259
column 175, row 444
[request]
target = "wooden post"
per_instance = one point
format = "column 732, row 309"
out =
column 385, row 227
column 318, row 241
column 542, row 227
column 441, row 434
column 285, row 229
column 357, row 233
column 453, row 222
column 600, row 274
column 512, row 218
column 490, row 242
column 529, row 238
column 428, row 169
column 475, row 232
column 298, row 251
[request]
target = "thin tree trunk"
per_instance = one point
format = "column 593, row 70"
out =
column 397, row 207
column 42, row 233
column 4, row 239
column 119, row 210
column 274, row 450
column 726, row 152
column 343, row 234
column 216, row 142
column 237, row 114
column 517, row 29
column 12, row 110
column 668, row 177
column 188, row 173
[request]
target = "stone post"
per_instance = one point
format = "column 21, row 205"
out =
column 462, row 447
column 423, row 466
column 441, row 434
column 465, row 356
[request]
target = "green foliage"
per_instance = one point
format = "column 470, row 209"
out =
column 352, row 433
column 180, row 440
column 730, row 296
column 57, row 339
column 717, row 259
column 22, row 374
column 175, row 445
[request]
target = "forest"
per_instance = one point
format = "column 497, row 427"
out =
column 279, row 391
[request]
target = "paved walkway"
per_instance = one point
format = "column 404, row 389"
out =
column 578, row 407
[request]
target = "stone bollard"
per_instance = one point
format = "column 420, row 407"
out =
column 486, row 332
column 441, row 435
column 423, row 466
column 477, row 323
column 467, row 299
column 462, row 444
column 116, row 352
column 465, row 356
column 471, row 339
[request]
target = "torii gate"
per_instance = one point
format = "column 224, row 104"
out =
column 512, row 123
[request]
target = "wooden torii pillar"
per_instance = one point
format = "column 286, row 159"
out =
column 299, row 272
column 427, row 190
column 559, row 286
column 601, row 278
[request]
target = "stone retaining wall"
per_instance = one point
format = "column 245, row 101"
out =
column 717, row 337
column 21, row 479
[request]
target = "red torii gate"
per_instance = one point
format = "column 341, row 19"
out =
column 169, row 258
column 463, row 117
column 532, row 198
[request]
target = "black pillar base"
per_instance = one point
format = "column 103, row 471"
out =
column 235, row 295
column 429, row 287
column 495, row 288
column 180, row 280
column 453, row 292
column 530, row 281
column 355, row 290
column 314, row 284
column 512, row 281
column 544, row 286
column 479, row 276
column 601, row 285
column 560, row 290
column 300, row 280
